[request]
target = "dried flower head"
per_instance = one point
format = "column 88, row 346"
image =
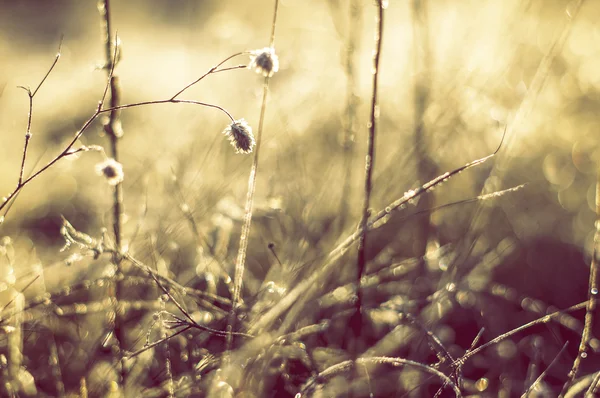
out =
column 264, row 61
column 112, row 170
column 240, row 136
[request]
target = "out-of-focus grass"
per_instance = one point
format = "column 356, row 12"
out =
column 483, row 58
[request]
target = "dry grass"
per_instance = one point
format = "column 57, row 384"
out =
column 205, row 272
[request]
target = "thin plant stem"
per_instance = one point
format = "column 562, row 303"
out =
column 545, row 372
column 214, row 69
column 243, row 245
column 112, row 128
column 69, row 150
column 361, row 261
column 545, row 319
column 592, row 302
column 158, row 342
column 593, row 389
column 55, row 364
column 347, row 366
column 167, row 101
column 30, row 113
column 274, row 24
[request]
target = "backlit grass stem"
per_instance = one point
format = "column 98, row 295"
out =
column 361, row 262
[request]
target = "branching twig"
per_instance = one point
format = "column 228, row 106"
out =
column 152, row 345
column 191, row 322
column 361, row 261
column 547, row 318
column 69, row 150
column 214, row 69
column 347, row 366
column 30, row 114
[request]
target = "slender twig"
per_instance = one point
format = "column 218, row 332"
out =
column 504, row 336
column 184, row 290
column 159, row 280
column 476, row 340
column 243, row 246
column 113, row 129
column 55, row 363
column 475, row 199
column 214, row 69
column 30, row 114
column 545, row 372
column 69, row 150
column 592, row 303
column 191, row 322
column 593, row 389
column 152, row 345
column 22, row 290
column 167, row 101
column 347, row 366
column 361, row 261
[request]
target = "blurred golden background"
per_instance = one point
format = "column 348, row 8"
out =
column 475, row 61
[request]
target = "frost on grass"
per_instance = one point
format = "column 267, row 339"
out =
column 111, row 170
column 264, row 61
column 240, row 136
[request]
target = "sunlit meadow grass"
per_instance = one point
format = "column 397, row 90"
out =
column 298, row 199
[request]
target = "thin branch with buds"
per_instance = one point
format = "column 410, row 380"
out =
column 30, row 114
column 69, row 149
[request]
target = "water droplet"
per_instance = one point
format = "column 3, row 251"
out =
column 594, row 291
column 451, row 287
column 584, row 355
column 482, row 384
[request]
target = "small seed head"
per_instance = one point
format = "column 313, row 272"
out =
column 264, row 61
column 240, row 136
column 111, row 170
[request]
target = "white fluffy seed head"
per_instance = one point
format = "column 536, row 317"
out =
column 111, row 170
column 240, row 136
column 264, row 61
